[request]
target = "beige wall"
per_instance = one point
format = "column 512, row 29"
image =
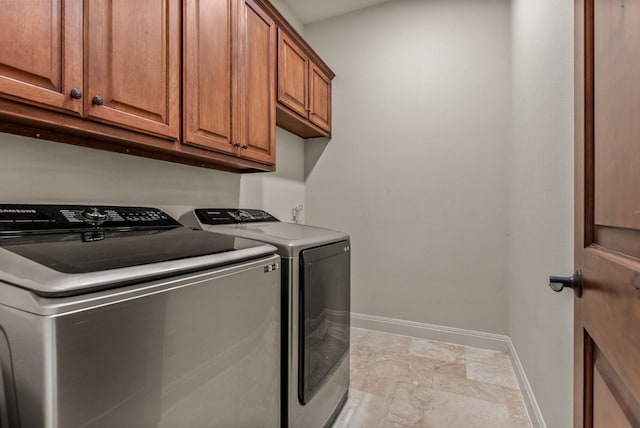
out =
column 416, row 171
column 278, row 192
column 541, row 200
column 37, row 171
column 286, row 12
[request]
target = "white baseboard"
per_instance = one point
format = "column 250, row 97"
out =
column 525, row 388
column 458, row 336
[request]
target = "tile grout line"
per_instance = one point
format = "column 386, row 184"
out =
column 458, row 336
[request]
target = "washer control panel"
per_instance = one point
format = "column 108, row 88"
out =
column 25, row 218
column 232, row 216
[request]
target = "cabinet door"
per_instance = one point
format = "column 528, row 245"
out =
column 319, row 98
column 293, row 73
column 209, row 84
column 41, row 52
column 132, row 55
column 257, row 103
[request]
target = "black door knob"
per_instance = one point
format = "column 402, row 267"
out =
column 558, row 283
column 97, row 100
column 76, row 94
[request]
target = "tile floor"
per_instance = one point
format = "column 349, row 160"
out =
column 400, row 382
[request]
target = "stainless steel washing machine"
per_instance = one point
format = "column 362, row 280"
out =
column 121, row 317
column 316, row 305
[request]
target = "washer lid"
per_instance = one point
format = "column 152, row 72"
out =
column 51, row 258
column 289, row 238
column 63, row 265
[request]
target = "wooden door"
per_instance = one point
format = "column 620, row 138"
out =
column 41, row 52
column 607, row 317
column 132, row 64
column 257, row 103
column 293, row 74
column 319, row 98
column 210, row 84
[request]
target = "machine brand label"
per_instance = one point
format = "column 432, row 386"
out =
column 16, row 211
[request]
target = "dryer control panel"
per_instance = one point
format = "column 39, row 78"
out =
column 214, row 216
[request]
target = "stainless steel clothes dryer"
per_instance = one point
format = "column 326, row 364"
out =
column 121, row 317
column 316, row 304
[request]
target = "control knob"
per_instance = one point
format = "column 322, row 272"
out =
column 243, row 215
column 94, row 216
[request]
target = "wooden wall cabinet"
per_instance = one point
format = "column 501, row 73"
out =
column 304, row 89
column 210, row 50
column 229, row 94
column 41, row 53
column 189, row 81
column 132, row 64
column 113, row 62
column 293, row 76
column 319, row 98
column 257, row 88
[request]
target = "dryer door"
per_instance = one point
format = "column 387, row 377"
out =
column 325, row 297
